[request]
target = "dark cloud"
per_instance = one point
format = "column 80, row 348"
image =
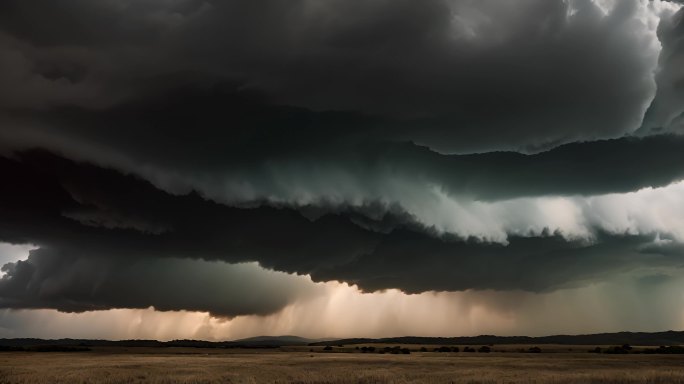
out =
column 416, row 263
column 476, row 75
column 71, row 281
column 90, row 260
column 241, row 148
column 667, row 110
column 72, row 202
column 92, row 24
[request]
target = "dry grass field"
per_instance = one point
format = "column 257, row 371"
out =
column 171, row 365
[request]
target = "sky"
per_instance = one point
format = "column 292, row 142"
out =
column 201, row 169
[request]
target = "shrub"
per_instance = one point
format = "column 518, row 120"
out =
column 617, row 350
column 675, row 349
column 484, row 349
column 396, row 350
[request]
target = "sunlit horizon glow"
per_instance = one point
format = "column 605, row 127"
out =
column 345, row 312
column 340, row 310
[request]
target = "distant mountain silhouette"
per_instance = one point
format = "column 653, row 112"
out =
column 252, row 342
column 278, row 340
column 618, row 338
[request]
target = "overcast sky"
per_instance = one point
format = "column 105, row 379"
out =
column 339, row 168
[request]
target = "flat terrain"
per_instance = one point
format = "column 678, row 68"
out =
column 191, row 365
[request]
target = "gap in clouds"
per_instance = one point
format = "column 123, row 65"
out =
column 11, row 253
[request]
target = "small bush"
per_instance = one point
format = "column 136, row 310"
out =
column 671, row 350
column 617, row 350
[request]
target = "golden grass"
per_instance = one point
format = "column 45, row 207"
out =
column 211, row 366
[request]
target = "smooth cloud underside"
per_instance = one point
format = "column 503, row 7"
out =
column 149, row 149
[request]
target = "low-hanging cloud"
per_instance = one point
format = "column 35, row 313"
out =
column 64, row 207
column 71, row 281
column 283, row 155
column 643, row 303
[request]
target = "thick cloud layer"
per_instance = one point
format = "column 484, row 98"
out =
column 104, row 235
column 71, row 281
column 468, row 75
column 281, row 156
column 147, row 148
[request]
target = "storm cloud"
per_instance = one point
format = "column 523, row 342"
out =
column 468, row 76
column 226, row 157
column 241, row 148
column 71, row 281
column 103, row 235
column 666, row 112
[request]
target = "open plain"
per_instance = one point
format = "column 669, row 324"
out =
column 301, row 365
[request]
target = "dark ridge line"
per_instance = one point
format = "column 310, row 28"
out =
column 616, row 338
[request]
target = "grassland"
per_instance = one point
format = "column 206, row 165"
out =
column 171, row 365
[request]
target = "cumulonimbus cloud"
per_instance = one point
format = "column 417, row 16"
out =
column 476, row 76
column 66, row 208
column 434, row 145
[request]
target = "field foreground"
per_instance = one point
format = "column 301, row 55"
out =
column 208, row 366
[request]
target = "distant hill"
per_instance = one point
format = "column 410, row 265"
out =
column 618, row 338
column 252, row 342
column 278, row 340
